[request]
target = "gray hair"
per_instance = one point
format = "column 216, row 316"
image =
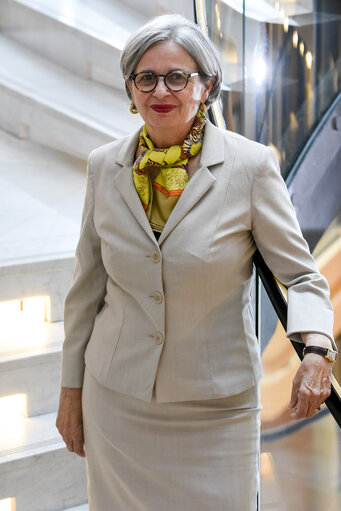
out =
column 174, row 27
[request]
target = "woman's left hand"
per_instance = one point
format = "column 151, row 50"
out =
column 312, row 382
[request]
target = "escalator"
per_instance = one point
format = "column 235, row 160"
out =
column 282, row 87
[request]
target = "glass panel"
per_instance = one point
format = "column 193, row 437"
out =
column 300, row 460
column 300, row 468
column 328, row 256
column 225, row 27
column 282, row 67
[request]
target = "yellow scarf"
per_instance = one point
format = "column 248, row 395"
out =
column 159, row 198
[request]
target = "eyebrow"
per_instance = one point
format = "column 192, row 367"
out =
column 170, row 71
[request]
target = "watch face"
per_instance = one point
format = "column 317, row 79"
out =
column 331, row 355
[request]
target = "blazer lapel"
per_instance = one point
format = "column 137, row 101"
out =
column 202, row 180
column 125, row 184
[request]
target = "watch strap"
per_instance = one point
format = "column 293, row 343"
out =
column 327, row 353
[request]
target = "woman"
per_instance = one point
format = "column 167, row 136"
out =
column 160, row 308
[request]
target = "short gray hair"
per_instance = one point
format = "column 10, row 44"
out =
column 174, row 27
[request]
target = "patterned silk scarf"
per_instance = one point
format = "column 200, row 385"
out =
column 160, row 196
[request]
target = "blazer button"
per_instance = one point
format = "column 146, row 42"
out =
column 158, row 338
column 156, row 257
column 158, row 298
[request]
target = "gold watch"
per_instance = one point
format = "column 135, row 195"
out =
column 327, row 353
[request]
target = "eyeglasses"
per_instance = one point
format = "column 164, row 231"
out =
column 146, row 81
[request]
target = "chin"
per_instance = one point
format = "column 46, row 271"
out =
column 165, row 120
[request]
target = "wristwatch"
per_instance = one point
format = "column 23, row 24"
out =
column 327, row 353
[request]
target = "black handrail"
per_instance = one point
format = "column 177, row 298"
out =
column 272, row 288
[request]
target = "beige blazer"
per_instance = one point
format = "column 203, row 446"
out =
column 178, row 312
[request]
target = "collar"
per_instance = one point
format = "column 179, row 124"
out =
column 212, row 151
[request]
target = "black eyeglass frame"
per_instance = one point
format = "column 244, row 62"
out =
column 164, row 76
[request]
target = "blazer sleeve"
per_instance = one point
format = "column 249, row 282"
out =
column 278, row 237
column 86, row 296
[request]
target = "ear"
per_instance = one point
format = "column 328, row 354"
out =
column 207, row 87
column 128, row 84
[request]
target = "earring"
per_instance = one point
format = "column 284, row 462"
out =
column 202, row 108
column 133, row 108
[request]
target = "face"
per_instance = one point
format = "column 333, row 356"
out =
column 182, row 106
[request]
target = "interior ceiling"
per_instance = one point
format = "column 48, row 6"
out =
column 271, row 10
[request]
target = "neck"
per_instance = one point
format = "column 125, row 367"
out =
column 167, row 137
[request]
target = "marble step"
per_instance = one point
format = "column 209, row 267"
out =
column 85, row 507
column 48, row 278
column 30, row 367
column 48, row 104
column 36, row 469
column 41, row 200
column 158, row 7
column 84, row 36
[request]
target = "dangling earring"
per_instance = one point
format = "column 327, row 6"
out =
column 133, row 109
column 202, row 108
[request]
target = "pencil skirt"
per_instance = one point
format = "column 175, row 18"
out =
column 181, row 456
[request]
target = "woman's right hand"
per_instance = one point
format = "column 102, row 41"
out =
column 70, row 419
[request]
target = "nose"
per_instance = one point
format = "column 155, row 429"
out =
column 161, row 89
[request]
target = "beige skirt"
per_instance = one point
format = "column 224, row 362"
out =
column 183, row 456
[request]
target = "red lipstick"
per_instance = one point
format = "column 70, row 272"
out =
column 162, row 109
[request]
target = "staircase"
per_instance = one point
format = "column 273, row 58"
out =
column 61, row 95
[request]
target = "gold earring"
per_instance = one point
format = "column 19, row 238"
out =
column 202, row 108
column 133, row 108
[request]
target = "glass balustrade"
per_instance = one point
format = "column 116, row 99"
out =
column 282, row 67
